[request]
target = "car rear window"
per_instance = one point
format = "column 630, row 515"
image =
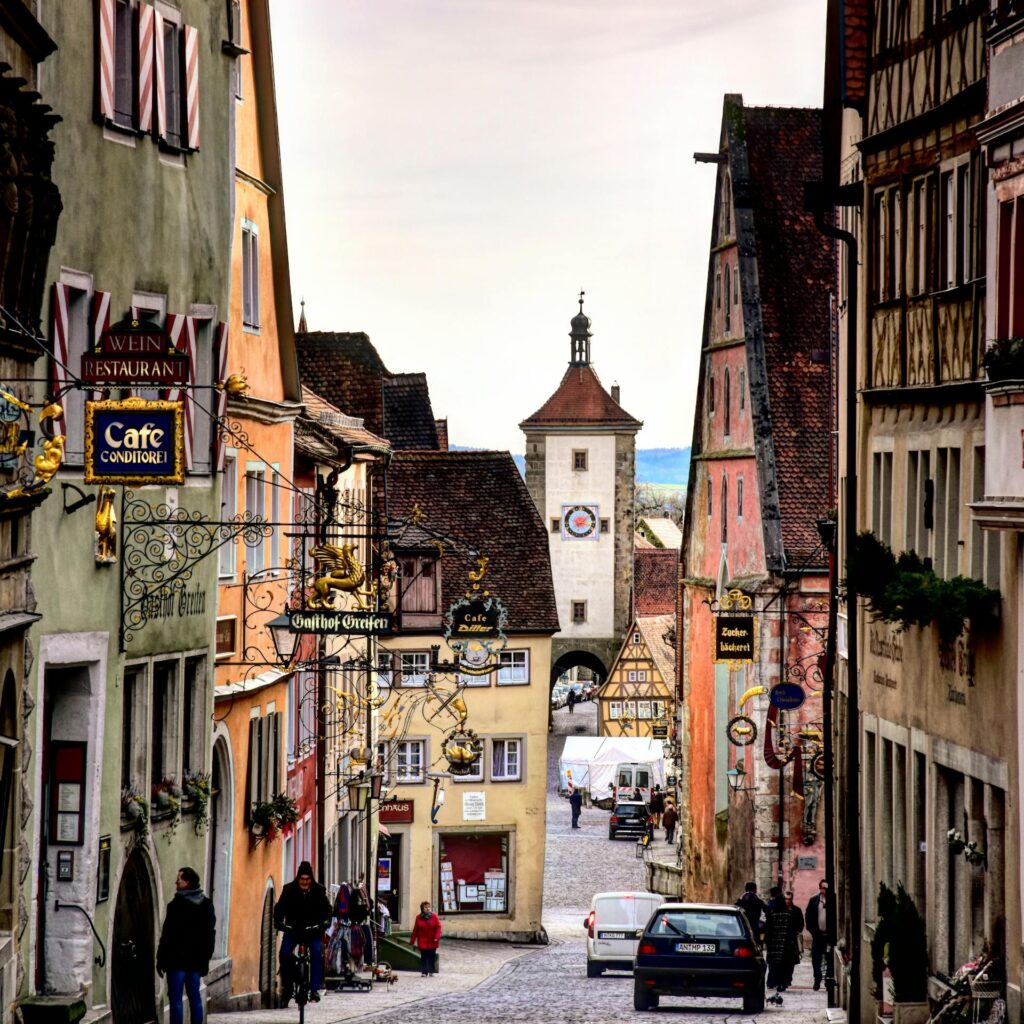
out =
column 627, row 809
column 696, row 924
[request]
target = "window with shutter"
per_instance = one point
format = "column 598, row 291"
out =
column 171, row 43
column 124, row 65
column 254, row 760
column 250, row 277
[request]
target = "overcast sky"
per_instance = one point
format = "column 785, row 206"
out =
column 456, row 170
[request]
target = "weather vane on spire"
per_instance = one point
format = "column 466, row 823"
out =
column 582, row 293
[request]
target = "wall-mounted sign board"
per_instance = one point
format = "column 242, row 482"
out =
column 134, row 442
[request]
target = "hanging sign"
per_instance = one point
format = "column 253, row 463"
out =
column 735, row 638
column 134, row 442
column 133, row 351
column 787, row 696
column 474, row 627
column 332, row 622
column 396, row 811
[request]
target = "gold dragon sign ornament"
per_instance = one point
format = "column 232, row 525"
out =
column 48, row 461
column 339, row 570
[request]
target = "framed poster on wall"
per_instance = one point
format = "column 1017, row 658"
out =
column 67, row 793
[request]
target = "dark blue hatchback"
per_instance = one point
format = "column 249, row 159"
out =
column 698, row 949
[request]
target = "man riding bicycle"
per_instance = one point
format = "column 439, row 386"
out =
column 303, row 913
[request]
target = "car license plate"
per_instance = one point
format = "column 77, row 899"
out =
column 696, row 947
column 611, row 935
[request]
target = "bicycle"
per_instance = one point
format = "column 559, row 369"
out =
column 301, row 973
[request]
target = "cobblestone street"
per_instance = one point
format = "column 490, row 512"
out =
column 482, row 982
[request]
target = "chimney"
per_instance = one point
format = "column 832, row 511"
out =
column 615, row 393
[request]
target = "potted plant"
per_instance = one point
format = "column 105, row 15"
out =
column 908, row 961
column 1004, row 359
column 955, row 841
column 196, row 787
column 160, row 796
column 286, row 811
column 135, row 809
column 263, row 820
column 973, row 854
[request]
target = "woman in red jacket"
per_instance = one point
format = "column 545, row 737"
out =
column 426, row 937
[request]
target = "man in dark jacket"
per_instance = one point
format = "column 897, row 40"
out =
column 669, row 819
column 303, row 913
column 575, row 806
column 753, row 908
column 820, row 911
column 186, row 945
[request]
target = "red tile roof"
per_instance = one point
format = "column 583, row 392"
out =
column 479, row 500
column 655, row 580
column 580, row 400
column 408, row 416
column 795, row 273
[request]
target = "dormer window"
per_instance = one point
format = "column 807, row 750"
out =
column 419, row 584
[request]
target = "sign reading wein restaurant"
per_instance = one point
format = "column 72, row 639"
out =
column 132, row 352
column 734, row 638
column 134, row 442
column 329, row 622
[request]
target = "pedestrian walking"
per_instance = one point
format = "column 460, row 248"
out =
column 186, row 945
column 570, row 701
column 794, row 930
column 426, row 937
column 820, row 911
column 669, row 819
column 781, row 942
column 576, row 805
column 753, row 908
column 657, row 805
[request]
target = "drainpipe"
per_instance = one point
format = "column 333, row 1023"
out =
column 818, row 199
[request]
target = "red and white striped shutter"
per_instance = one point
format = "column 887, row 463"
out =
column 60, row 375
column 105, row 58
column 192, row 86
column 219, row 440
column 159, row 80
column 144, row 86
column 182, row 332
column 100, row 316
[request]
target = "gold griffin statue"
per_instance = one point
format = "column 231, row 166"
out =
column 341, row 571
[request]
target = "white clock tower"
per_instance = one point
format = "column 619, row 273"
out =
column 580, row 468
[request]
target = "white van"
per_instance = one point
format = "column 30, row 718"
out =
column 614, row 926
column 632, row 782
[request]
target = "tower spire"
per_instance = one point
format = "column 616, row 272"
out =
column 302, row 318
column 579, row 337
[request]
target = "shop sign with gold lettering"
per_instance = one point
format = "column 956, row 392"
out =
column 474, row 627
column 734, row 638
column 134, row 442
column 134, row 351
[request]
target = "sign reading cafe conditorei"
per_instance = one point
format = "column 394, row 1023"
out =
column 134, row 442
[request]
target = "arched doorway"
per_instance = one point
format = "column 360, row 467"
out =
column 133, row 956
column 268, row 952
column 570, row 660
column 218, row 865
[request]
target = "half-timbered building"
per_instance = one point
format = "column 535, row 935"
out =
column 639, row 697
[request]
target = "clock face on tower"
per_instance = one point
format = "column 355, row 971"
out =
column 580, row 522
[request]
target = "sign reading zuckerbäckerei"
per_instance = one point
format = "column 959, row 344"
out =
column 734, row 638
column 328, row 621
column 134, row 442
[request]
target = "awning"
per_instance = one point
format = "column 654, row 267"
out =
column 383, row 829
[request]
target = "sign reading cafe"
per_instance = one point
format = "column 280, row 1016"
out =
column 134, row 442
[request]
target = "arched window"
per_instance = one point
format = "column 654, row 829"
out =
column 711, row 393
column 709, row 497
column 726, row 401
column 728, row 296
column 718, row 288
column 724, row 508
column 739, row 497
column 726, row 206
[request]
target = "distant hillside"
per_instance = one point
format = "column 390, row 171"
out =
column 665, row 467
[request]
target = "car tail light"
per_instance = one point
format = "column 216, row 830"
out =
column 614, row 820
column 647, row 949
column 590, row 925
column 743, row 951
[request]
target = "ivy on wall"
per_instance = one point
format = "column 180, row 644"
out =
column 905, row 591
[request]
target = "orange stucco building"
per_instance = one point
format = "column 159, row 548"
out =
column 244, row 873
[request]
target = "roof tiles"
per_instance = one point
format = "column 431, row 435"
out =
column 581, row 400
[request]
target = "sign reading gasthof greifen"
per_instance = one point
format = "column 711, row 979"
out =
column 134, row 442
